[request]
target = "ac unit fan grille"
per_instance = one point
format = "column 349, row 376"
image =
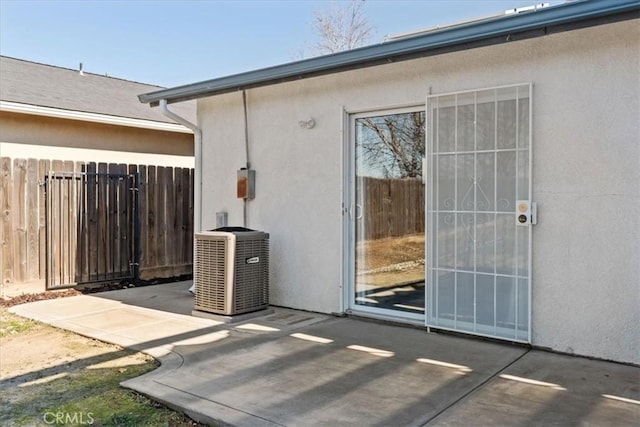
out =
column 251, row 278
column 209, row 275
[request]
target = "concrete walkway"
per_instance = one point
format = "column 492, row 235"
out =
column 294, row 368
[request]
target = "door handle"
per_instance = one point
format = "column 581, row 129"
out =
column 358, row 215
column 355, row 207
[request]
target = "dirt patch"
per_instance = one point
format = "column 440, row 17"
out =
column 29, row 346
column 10, row 301
column 25, row 298
column 51, row 376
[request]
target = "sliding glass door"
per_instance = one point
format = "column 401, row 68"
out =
column 474, row 275
column 387, row 213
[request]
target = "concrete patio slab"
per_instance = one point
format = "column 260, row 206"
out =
column 169, row 297
column 297, row 368
column 543, row 389
column 106, row 317
column 337, row 372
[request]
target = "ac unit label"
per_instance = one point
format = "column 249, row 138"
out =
column 253, row 260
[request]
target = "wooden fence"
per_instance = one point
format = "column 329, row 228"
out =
column 391, row 207
column 165, row 216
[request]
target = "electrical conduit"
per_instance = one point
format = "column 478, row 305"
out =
column 197, row 173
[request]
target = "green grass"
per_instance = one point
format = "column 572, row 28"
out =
column 11, row 324
column 119, row 407
column 82, row 392
column 90, row 396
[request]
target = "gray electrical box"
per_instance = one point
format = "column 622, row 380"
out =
column 221, row 219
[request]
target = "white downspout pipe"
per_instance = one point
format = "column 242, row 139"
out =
column 197, row 172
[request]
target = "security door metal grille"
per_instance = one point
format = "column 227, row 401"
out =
column 478, row 256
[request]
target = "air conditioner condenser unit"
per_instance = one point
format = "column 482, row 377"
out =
column 231, row 271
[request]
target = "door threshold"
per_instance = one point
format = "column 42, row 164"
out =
column 386, row 319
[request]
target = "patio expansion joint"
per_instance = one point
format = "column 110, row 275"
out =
column 138, row 326
column 476, row 388
column 75, row 316
column 271, row 422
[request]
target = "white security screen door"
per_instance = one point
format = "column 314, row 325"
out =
column 478, row 253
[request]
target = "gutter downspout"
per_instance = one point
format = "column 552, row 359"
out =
column 197, row 174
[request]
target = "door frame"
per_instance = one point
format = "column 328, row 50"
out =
column 347, row 295
column 349, row 216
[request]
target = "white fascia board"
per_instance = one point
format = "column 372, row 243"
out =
column 16, row 107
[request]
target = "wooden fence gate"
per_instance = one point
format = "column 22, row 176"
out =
column 92, row 230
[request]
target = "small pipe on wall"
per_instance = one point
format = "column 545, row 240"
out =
column 246, row 152
column 197, row 171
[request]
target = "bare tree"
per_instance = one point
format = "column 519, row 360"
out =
column 342, row 26
column 393, row 145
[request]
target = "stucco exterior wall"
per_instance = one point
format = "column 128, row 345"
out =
column 39, row 130
column 586, row 174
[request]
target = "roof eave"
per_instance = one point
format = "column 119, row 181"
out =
column 397, row 50
column 37, row 110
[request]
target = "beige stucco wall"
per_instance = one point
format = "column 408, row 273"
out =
column 39, row 130
column 586, row 175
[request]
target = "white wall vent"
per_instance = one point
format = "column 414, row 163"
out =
column 231, row 271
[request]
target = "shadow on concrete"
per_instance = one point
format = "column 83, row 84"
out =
column 170, row 297
column 298, row 368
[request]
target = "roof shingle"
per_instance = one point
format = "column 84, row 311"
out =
column 31, row 83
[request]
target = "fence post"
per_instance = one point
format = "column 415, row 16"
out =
column 136, row 228
column 7, row 220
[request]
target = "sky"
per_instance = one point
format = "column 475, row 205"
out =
column 172, row 43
